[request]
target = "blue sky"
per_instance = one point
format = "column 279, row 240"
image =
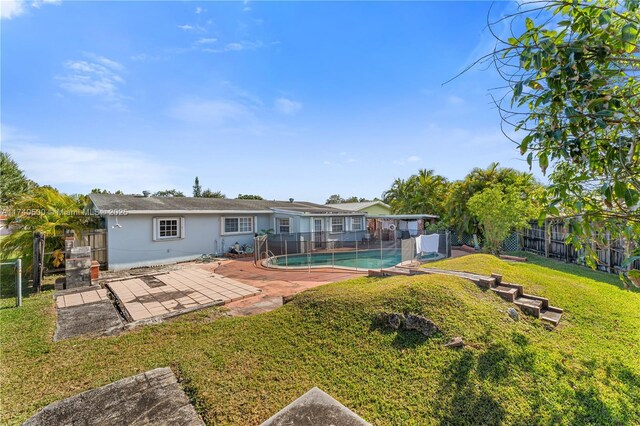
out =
column 289, row 99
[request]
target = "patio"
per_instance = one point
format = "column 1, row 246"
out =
column 176, row 292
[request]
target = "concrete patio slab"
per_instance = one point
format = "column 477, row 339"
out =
column 151, row 398
column 98, row 317
column 315, row 408
column 176, row 291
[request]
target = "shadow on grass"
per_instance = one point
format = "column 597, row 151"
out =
column 575, row 269
column 463, row 402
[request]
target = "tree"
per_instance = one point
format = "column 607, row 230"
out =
column 424, row 192
column 44, row 210
column 168, row 193
column 13, row 182
column 207, row 193
column 249, row 197
column 573, row 76
column 105, row 191
column 334, row 199
column 354, row 199
column 461, row 218
column 197, row 189
column 499, row 211
column 337, row 199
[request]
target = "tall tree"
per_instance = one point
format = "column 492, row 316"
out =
column 424, row 192
column 44, row 210
column 458, row 214
column 573, row 72
column 207, row 193
column 13, row 182
column 197, row 189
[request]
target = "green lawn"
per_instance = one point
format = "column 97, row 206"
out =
column 243, row 370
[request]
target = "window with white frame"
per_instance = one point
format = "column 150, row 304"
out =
column 284, row 225
column 238, row 225
column 167, row 228
column 337, row 224
column 356, row 223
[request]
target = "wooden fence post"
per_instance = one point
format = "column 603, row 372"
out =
column 547, row 238
column 38, row 260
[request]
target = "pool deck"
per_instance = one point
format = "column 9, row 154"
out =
column 274, row 283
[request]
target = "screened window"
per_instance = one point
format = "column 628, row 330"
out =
column 238, row 225
column 356, row 224
column 337, row 224
column 284, row 225
column 168, row 227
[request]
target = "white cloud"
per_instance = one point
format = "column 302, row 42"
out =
column 10, row 9
column 75, row 168
column 206, row 41
column 455, row 100
column 287, row 106
column 410, row 159
column 193, row 28
column 98, row 76
column 199, row 10
column 216, row 112
column 236, row 47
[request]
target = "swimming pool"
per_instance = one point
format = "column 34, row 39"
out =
column 362, row 259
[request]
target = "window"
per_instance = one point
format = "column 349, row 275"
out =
column 238, row 225
column 337, row 224
column 165, row 228
column 356, row 223
column 284, row 225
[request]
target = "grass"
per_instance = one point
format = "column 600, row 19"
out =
column 243, row 370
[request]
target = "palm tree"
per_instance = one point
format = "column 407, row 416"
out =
column 44, row 210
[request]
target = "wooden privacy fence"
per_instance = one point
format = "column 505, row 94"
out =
column 97, row 239
column 549, row 240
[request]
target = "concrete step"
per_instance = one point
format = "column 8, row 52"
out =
column 544, row 300
column 551, row 316
column 529, row 306
column 517, row 286
column 507, row 293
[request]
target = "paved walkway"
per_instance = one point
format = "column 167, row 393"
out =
column 150, row 296
column 273, row 283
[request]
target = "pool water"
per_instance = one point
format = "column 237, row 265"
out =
column 363, row 259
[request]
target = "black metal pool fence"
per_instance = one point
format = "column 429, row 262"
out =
column 382, row 240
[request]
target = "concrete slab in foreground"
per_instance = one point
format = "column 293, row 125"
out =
column 315, row 408
column 151, row 398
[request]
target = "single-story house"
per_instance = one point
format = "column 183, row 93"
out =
column 146, row 230
column 380, row 221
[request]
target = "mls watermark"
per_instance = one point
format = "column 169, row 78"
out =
column 63, row 212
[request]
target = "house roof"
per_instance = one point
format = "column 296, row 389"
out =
column 357, row 206
column 403, row 216
column 132, row 204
